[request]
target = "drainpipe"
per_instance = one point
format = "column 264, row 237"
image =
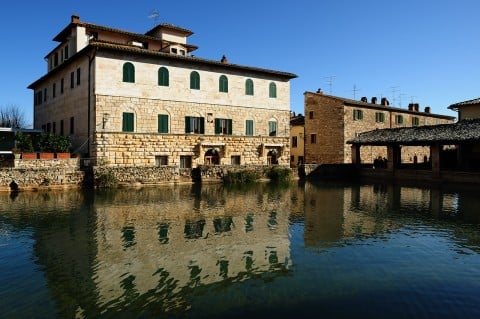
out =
column 90, row 62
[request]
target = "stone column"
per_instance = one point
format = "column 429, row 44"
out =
column 356, row 159
column 435, row 158
column 393, row 157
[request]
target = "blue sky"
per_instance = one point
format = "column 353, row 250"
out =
column 422, row 51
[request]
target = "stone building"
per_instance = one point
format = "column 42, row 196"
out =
column 126, row 98
column 331, row 121
column 297, row 139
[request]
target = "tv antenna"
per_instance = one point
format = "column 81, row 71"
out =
column 394, row 91
column 355, row 90
column 154, row 16
column 330, row 80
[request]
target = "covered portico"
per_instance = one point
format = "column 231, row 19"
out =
column 461, row 139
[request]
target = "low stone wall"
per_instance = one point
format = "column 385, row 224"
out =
column 12, row 179
column 144, row 175
column 65, row 163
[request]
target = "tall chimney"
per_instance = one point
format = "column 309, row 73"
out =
column 385, row 101
column 374, row 100
column 427, row 109
column 75, row 18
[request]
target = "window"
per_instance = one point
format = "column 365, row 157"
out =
column 49, row 128
column 128, row 73
column 292, row 158
column 163, row 77
column 128, row 236
column 72, row 76
column 313, row 139
column 61, row 127
column 61, row 86
column 163, row 233
column 249, row 127
column 194, row 81
column 310, row 115
column 272, row 128
column 357, row 115
column 249, row 87
column 223, row 84
column 55, row 59
column 398, row 119
column 72, row 125
column 54, row 89
column 161, row 160
column 272, row 92
column 127, row 122
column 185, row 161
column 194, row 125
column 235, row 159
column 223, row 126
column 162, row 123
column 66, row 52
column 45, row 94
column 78, row 76
column 294, row 141
column 39, row 97
column 380, row 117
column 194, row 229
column 54, row 128
column 415, row 121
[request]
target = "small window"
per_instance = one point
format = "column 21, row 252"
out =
column 54, row 127
column 415, row 121
column 45, row 91
column 72, row 125
column 78, row 76
column 162, row 123
column 62, row 86
column 61, row 128
column 357, row 115
column 194, row 125
column 55, row 59
column 249, row 127
column 185, row 161
column 49, row 127
column 235, row 159
column 294, row 141
column 398, row 119
column 223, row 84
column 194, row 80
column 66, row 52
column 313, row 139
column 380, row 117
column 163, row 233
column 272, row 92
column 223, row 126
column 174, row 50
column 310, row 115
column 128, row 122
column 249, row 87
column 72, row 82
column 128, row 73
column 54, row 89
column 161, row 160
column 272, row 128
column 182, row 52
column 163, row 77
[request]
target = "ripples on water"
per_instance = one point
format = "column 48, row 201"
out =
column 363, row 251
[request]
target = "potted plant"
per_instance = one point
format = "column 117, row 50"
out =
column 25, row 145
column 16, row 152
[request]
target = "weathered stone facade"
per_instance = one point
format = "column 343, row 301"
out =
column 331, row 121
column 112, row 77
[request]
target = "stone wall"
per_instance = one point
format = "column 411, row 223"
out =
column 42, row 177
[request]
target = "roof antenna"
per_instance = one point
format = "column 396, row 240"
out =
column 154, row 16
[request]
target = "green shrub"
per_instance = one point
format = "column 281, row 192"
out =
column 241, row 177
column 279, row 174
column 54, row 143
column 106, row 179
column 24, row 142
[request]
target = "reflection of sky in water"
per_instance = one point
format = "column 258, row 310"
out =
column 355, row 251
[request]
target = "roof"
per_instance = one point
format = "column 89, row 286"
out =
column 456, row 133
column 297, row 120
column 169, row 26
column 379, row 106
column 465, row 103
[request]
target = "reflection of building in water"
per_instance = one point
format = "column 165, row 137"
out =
column 183, row 242
column 336, row 214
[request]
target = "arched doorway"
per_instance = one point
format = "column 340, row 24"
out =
column 272, row 157
column 212, row 157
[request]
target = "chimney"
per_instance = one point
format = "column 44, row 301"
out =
column 75, row 18
column 319, row 91
column 410, row 107
column 224, row 59
column 415, row 107
column 364, row 99
column 385, row 101
column 374, row 100
column 427, row 109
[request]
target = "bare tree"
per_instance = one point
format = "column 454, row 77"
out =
column 12, row 116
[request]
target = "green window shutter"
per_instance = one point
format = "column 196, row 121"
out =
column 249, row 87
column 163, row 77
column 360, row 115
column 194, row 80
column 354, row 115
column 223, row 84
column 230, row 127
column 162, row 123
column 202, row 125
column 187, row 124
column 272, row 92
column 249, row 128
column 127, row 122
column 272, row 128
column 217, row 126
column 128, row 73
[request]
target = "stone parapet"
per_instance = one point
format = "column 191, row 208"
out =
column 12, row 179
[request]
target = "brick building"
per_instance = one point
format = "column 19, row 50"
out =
column 126, row 98
column 330, row 121
column 297, row 139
